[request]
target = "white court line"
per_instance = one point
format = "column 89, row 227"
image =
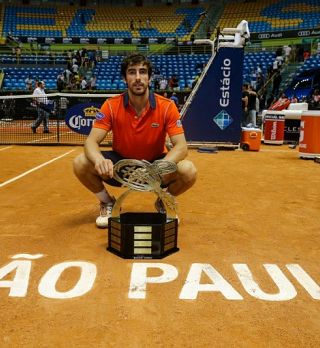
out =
column 277, row 150
column 33, row 169
column 5, row 148
column 48, row 138
column 41, row 139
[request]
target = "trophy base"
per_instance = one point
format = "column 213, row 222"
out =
column 142, row 235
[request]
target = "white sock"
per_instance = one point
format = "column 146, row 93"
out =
column 104, row 196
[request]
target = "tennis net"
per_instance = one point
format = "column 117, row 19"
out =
column 69, row 115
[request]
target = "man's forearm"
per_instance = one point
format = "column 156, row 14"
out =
column 92, row 150
column 177, row 154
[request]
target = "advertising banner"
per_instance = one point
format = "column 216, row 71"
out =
column 285, row 34
column 80, row 117
column 268, row 35
column 214, row 114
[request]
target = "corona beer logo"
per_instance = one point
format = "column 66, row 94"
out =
column 80, row 117
column 90, row 111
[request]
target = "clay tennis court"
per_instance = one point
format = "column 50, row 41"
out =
column 247, row 273
column 19, row 132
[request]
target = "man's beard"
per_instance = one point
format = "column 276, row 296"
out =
column 142, row 91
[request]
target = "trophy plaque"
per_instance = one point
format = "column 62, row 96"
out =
column 143, row 235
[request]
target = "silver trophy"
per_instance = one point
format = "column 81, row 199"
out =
column 144, row 176
column 143, row 234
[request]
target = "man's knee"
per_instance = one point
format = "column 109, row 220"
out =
column 80, row 164
column 188, row 172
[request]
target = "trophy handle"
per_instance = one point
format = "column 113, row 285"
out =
column 170, row 209
column 168, row 202
column 117, row 206
column 146, row 177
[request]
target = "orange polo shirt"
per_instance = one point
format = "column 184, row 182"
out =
column 139, row 137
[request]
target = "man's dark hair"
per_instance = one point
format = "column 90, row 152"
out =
column 133, row 59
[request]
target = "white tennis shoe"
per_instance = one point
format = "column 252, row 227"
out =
column 105, row 213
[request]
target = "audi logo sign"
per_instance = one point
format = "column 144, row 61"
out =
column 301, row 32
column 264, row 36
column 304, row 33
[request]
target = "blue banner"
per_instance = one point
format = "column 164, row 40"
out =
column 80, row 117
column 214, row 114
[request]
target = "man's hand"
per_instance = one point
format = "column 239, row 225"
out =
column 104, row 167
